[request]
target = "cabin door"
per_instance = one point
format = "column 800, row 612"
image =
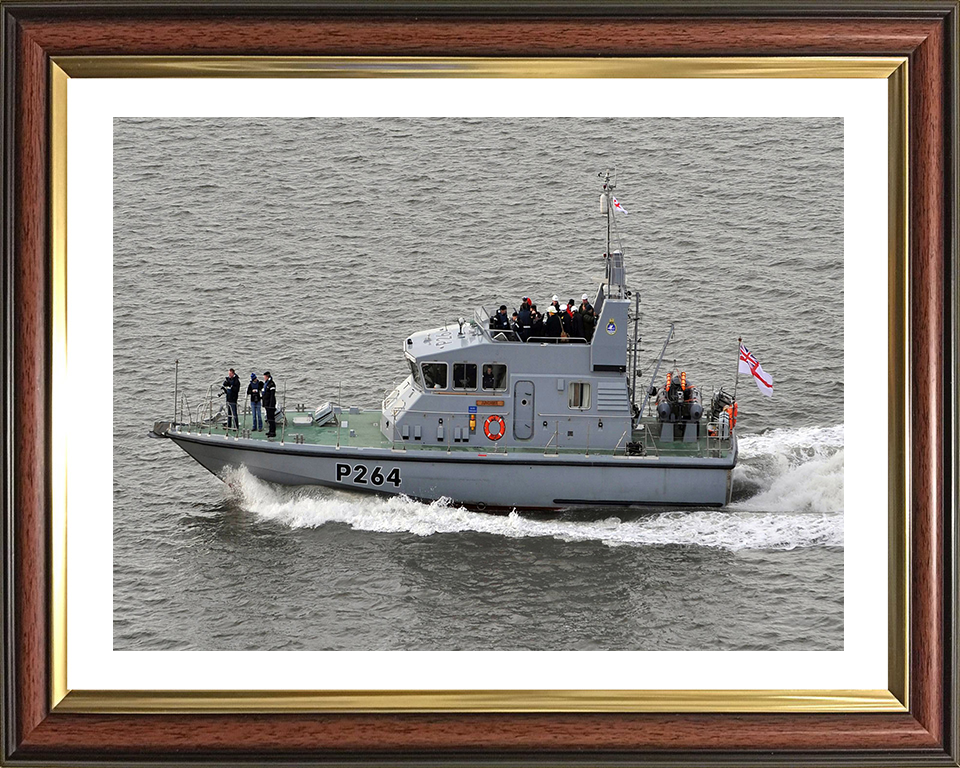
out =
column 523, row 410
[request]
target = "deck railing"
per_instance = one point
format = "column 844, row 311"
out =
column 482, row 317
column 210, row 416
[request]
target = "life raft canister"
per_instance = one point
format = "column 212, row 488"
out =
column 500, row 428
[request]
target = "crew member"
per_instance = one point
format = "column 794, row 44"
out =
column 525, row 319
column 270, row 403
column 537, row 329
column 488, row 377
column 231, row 388
column 254, row 388
column 585, row 303
column 554, row 326
column 566, row 320
column 515, row 326
column 500, row 320
column 576, row 322
column 589, row 319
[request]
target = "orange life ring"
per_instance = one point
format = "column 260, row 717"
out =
column 486, row 427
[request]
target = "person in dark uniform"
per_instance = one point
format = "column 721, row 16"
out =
column 500, row 320
column 488, row 380
column 231, row 388
column 270, row 403
column 515, row 327
column 576, row 322
column 566, row 320
column 537, row 329
column 254, row 388
column 525, row 320
column 554, row 326
column 589, row 322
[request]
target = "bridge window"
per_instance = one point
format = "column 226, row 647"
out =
column 464, row 375
column 494, row 376
column 415, row 370
column 578, row 395
column 434, row 375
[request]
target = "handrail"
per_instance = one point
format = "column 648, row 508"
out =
column 648, row 440
column 628, row 429
column 557, row 340
column 556, row 435
column 715, row 442
column 393, row 432
column 656, row 370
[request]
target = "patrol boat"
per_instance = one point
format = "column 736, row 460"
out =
column 493, row 422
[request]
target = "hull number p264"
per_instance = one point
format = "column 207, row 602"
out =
column 360, row 474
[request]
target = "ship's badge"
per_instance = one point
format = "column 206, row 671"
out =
column 611, row 327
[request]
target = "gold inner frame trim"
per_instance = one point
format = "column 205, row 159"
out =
column 898, row 384
column 58, row 363
column 228, row 702
column 893, row 69
column 437, row 67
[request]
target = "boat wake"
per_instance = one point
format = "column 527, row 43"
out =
column 788, row 490
column 791, row 470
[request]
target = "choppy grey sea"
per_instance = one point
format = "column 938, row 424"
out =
column 313, row 247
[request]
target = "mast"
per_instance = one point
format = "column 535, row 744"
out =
column 606, row 206
column 615, row 273
column 607, row 188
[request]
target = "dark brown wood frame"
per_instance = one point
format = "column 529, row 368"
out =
column 925, row 32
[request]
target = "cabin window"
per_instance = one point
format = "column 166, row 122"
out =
column 464, row 375
column 434, row 375
column 415, row 370
column 578, row 394
column 494, row 376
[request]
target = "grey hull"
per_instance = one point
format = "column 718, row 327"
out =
column 494, row 481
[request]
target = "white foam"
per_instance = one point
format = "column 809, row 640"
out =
column 798, row 442
column 814, row 486
column 791, row 470
column 730, row 529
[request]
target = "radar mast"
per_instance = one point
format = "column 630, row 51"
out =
column 616, row 276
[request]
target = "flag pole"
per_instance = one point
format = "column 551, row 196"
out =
column 736, row 381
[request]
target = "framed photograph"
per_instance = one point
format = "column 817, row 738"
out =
column 197, row 196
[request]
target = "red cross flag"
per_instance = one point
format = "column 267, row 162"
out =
column 750, row 364
column 617, row 206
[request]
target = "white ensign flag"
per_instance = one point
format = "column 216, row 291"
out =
column 750, row 364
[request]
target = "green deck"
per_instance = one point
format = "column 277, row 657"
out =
column 366, row 426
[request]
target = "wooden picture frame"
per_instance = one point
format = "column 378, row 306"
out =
column 39, row 728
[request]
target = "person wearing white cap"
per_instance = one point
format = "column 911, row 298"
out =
column 554, row 326
column 584, row 303
column 576, row 321
column 566, row 317
column 556, row 302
